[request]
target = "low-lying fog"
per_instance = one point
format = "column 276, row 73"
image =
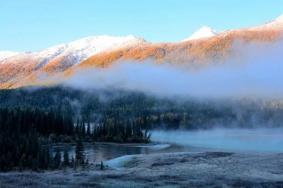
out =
column 253, row 70
column 243, row 140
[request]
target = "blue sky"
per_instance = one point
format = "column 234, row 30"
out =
column 28, row 25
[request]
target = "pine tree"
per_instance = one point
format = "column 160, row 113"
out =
column 66, row 157
column 79, row 152
column 88, row 129
column 57, row 160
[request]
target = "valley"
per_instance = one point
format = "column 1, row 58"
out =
column 104, row 108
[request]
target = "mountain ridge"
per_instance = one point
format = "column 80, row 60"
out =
column 22, row 69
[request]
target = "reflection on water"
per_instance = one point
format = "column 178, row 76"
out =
column 96, row 152
column 246, row 140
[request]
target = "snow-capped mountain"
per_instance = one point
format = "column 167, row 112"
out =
column 79, row 50
column 86, row 47
column 22, row 69
column 202, row 33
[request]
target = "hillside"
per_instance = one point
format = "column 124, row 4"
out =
column 203, row 47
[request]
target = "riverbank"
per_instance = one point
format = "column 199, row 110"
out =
column 209, row 169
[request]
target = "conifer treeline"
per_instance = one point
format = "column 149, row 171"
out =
column 94, row 105
column 117, row 130
column 26, row 135
column 23, row 120
column 23, row 137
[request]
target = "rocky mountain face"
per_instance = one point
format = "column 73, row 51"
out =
column 203, row 47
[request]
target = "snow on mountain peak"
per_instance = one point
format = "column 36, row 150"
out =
column 103, row 42
column 83, row 48
column 6, row 54
column 279, row 19
column 274, row 24
column 203, row 32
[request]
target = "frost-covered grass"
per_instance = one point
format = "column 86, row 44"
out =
column 209, row 169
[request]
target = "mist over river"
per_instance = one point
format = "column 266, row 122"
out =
column 264, row 140
column 238, row 140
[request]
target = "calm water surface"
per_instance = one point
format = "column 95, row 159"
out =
column 232, row 140
column 239, row 140
column 96, row 152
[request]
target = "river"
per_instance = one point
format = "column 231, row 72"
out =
column 230, row 140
